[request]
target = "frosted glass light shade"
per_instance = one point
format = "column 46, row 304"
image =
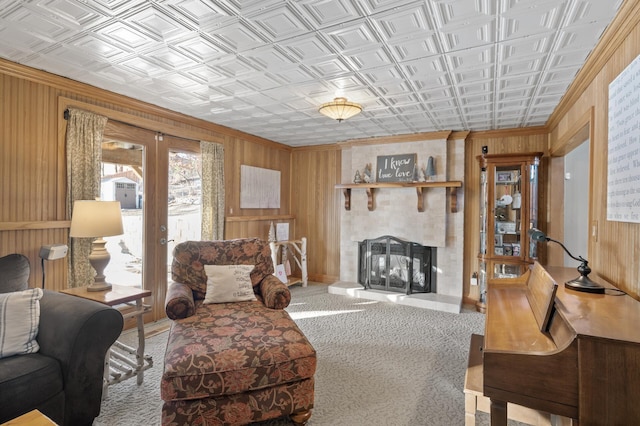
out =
column 340, row 109
column 92, row 218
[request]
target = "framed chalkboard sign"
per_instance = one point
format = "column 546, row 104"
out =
column 396, row 168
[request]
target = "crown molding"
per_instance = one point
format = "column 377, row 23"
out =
column 91, row 94
column 410, row 137
column 503, row 133
column 625, row 21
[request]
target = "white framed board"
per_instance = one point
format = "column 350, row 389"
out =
column 259, row 188
column 623, row 171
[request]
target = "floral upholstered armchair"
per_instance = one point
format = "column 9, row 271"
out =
column 190, row 280
column 233, row 362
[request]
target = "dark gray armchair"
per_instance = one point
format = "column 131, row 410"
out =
column 64, row 379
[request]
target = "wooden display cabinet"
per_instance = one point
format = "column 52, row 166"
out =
column 508, row 209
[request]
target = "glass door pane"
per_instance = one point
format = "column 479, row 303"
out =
column 184, row 200
column 508, row 215
column 122, row 179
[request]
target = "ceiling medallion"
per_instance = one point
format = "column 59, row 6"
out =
column 340, row 109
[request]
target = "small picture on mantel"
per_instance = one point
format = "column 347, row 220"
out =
column 396, row 168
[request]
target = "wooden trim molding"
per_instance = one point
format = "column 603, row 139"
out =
column 256, row 218
column 580, row 131
column 459, row 135
column 505, row 133
column 625, row 21
column 23, row 226
column 215, row 132
column 145, row 123
column 43, row 77
column 412, row 137
column 314, row 148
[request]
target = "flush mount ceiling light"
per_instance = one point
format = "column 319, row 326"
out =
column 340, row 109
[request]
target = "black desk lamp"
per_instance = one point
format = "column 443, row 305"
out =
column 583, row 282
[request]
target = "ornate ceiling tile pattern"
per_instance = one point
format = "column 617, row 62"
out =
column 265, row 66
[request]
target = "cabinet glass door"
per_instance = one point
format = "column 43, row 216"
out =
column 507, row 270
column 507, row 211
column 483, row 211
column 533, row 206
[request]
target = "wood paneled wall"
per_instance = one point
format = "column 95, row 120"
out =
column 316, row 205
column 497, row 142
column 33, row 171
column 30, row 175
column 256, row 226
column 613, row 246
column 243, row 152
column 32, row 166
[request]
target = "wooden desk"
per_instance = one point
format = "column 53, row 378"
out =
column 586, row 366
column 123, row 361
column 474, row 399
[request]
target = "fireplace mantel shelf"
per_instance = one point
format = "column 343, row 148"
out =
column 419, row 186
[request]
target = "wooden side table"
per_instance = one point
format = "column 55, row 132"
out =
column 123, row 361
column 297, row 250
column 32, row 418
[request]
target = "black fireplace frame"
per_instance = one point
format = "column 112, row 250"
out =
column 397, row 247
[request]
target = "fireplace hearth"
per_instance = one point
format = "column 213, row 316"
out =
column 391, row 264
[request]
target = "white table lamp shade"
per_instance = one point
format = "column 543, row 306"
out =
column 92, row 218
column 97, row 219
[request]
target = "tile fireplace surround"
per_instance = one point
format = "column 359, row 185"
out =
column 395, row 213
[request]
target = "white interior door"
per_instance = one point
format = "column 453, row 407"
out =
column 576, row 203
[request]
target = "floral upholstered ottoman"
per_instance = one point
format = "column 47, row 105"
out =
column 233, row 362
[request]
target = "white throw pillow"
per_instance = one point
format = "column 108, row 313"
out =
column 228, row 283
column 19, row 322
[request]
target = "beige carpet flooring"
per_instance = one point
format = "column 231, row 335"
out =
column 378, row 364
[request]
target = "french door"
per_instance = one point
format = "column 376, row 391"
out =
column 184, row 209
column 162, row 174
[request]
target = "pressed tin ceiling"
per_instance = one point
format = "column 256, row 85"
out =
column 265, row 66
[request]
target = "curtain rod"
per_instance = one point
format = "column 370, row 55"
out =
column 66, row 117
